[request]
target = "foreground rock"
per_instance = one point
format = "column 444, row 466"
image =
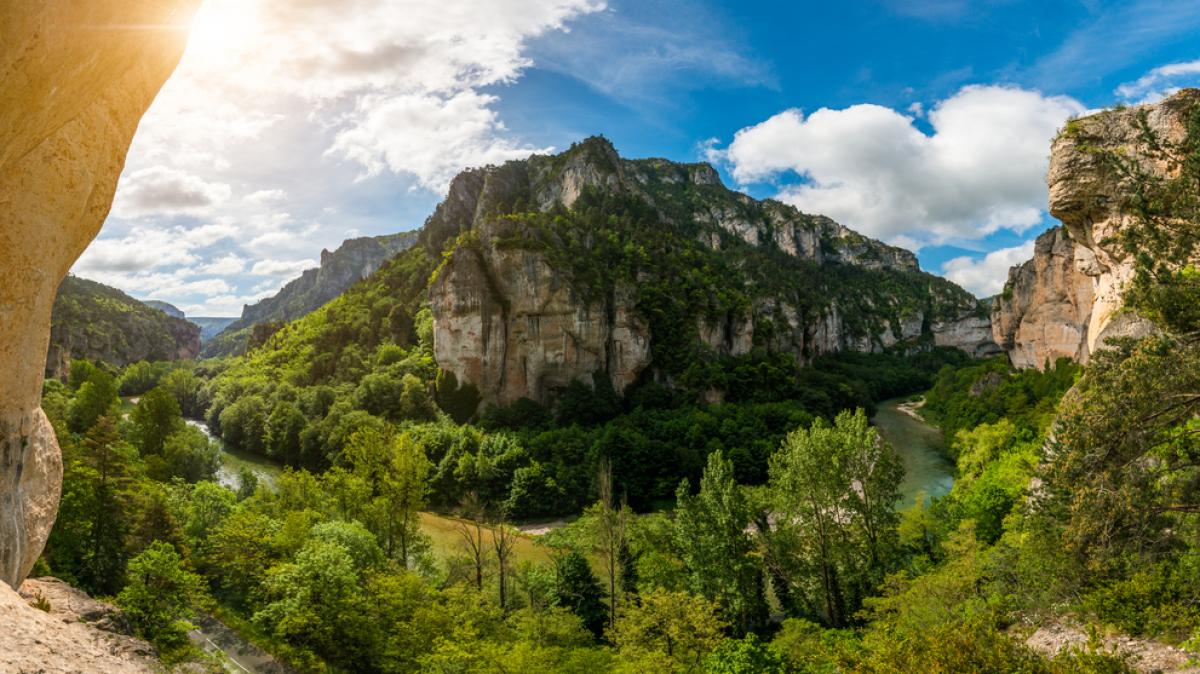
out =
column 70, row 634
column 1147, row 656
column 78, row 75
column 1068, row 300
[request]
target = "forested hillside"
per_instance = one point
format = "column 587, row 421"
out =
column 96, row 322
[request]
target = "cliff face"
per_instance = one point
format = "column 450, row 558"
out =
column 1068, row 300
column 93, row 321
column 1044, row 311
column 355, row 259
column 561, row 267
column 78, row 75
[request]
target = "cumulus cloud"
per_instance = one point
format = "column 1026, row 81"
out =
column 284, row 268
column 986, row 276
column 870, row 167
column 224, row 266
column 160, row 190
column 142, row 249
column 1160, row 82
column 441, row 136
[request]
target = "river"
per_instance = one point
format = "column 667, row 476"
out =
column 233, row 461
column 921, row 448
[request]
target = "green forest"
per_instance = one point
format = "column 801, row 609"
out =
column 760, row 534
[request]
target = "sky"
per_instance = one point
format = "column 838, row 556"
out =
column 291, row 125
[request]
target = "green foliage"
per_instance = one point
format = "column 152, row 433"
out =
column 103, row 324
column 577, row 589
column 156, row 416
column 743, row 656
column 833, row 490
column 667, row 632
column 159, row 596
column 715, row 548
column 963, row 398
column 96, row 397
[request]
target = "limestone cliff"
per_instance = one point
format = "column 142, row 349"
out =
column 93, row 321
column 354, row 260
column 560, row 267
column 78, row 75
column 1069, row 299
column 1044, row 311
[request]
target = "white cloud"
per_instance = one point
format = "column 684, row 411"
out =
column 440, row 136
column 288, row 104
column 263, row 197
column 224, row 266
column 283, row 268
column 1160, row 82
column 986, row 276
column 141, row 250
column 871, row 168
column 160, row 190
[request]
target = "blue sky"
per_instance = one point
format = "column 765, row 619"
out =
column 925, row 123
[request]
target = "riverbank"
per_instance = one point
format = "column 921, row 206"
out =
column 927, row 468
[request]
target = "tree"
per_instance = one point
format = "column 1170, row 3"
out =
column 397, row 472
column 187, row 389
column 155, row 417
column 503, row 540
column 97, row 396
column 611, row 524
column 743, row 656
column 283, row 430
column 159, row 595
column 470, row 529
column 577, row 589
column 833, row 489
column 108, row 459
column 717, row 552
column 189, row 454
column 668, row 631
column 316, row 604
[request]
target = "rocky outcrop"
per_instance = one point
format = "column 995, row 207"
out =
column 354, row 260
column 519, row 317
column 78, row 75
column 52, row 628
column 1069, row 299
column 102, row 324
column 165, row 307
column 1044, row 311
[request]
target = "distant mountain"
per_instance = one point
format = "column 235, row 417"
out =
column 211, row 326
column 94, row 321
column 165, row 307
column 353, row 260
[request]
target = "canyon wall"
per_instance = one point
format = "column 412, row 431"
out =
column 531, row 296
column 78, row 76
column 1068, row 299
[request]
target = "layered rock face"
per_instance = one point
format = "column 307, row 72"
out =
column 1044, row 311
column 512, row 319
column 93, row 321
column 1068, row 300
column 355, row 259
column 78, row 75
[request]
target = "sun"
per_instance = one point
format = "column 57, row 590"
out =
column 223, row 31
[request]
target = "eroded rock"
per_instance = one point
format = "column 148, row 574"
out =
column 1068, row 300
column 78, row 75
